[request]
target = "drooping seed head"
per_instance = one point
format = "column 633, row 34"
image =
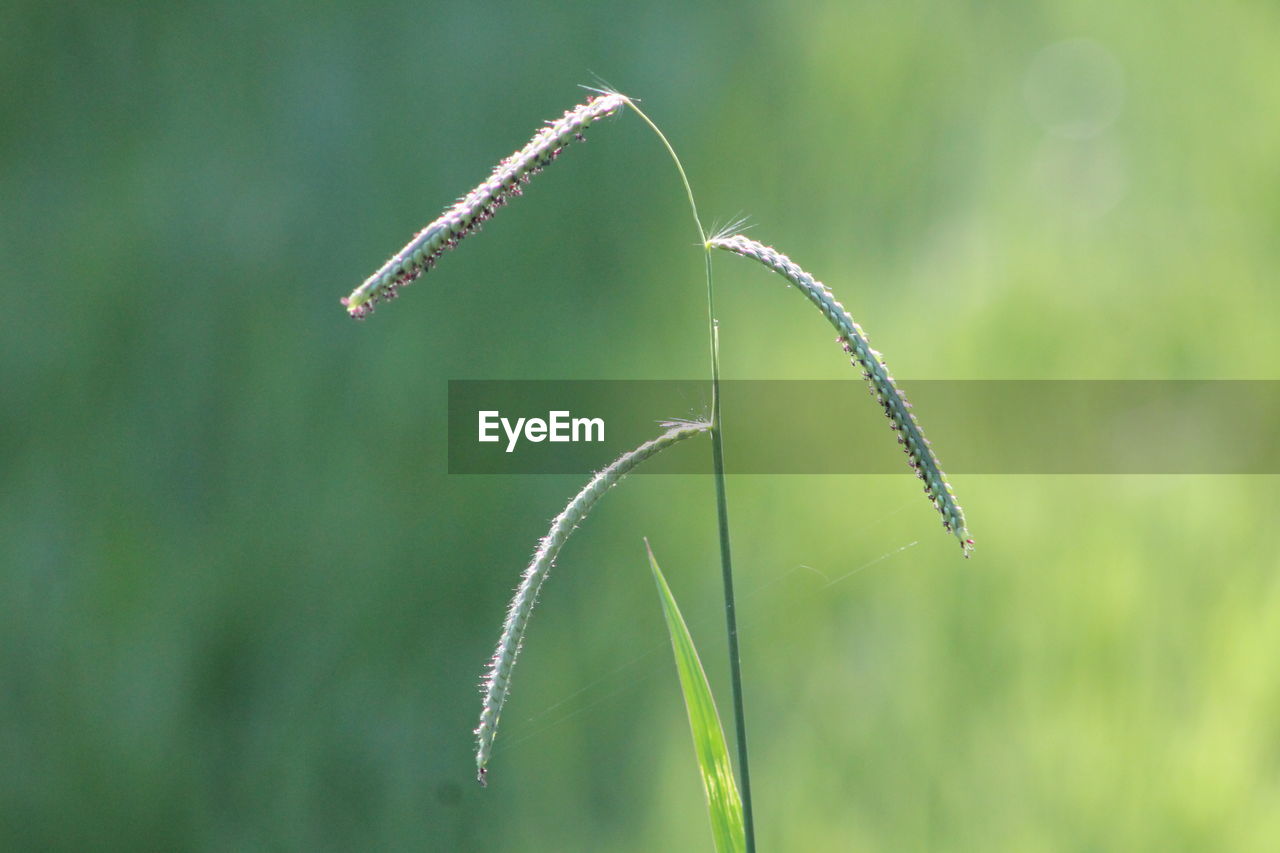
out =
column 920, row 456
column 470, row 212
column 497, row 679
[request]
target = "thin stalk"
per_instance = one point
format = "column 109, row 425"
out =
column 722, row 502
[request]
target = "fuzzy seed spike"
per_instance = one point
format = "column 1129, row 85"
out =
column 920, row 455
column 497, row 679
column 472, row 209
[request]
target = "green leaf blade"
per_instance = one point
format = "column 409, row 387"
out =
column 724, row 805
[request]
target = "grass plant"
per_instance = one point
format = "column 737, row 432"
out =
column 730, row 811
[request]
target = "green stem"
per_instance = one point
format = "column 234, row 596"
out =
column 722, row 503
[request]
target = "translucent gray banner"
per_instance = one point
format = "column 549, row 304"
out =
column 834, row 427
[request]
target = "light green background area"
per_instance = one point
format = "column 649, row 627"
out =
column 242, row 607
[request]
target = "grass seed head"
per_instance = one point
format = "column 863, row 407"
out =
column 920, row 456
column 496, row 684
column 472, row 210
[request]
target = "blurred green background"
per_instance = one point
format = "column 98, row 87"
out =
column 243, row 607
